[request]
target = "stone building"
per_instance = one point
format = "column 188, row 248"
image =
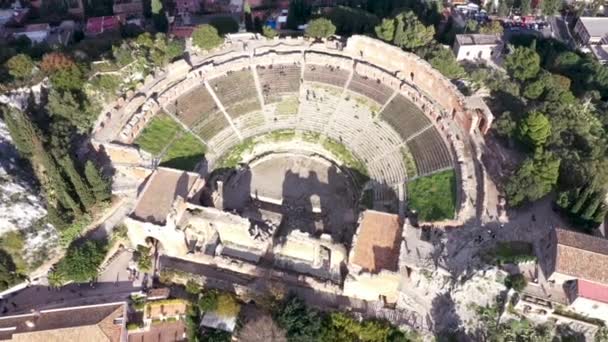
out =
column 373, row 272
column 477, row 47
column 98, row 323
column 591, row 30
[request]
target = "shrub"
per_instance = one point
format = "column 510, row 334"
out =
column 20, row 66
column 516, row 282
column 206, row 37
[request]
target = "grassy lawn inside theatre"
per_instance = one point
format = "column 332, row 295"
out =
column 166, row 139
column 434, row 196
column 159, row 132
column 184, row 153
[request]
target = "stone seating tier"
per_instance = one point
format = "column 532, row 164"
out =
column 210, row 125
column 235, row 86
column 370, row 88
column 195, row 104
column 429, row 152
column 326, row 74
column 276, row 80
column 404, row 117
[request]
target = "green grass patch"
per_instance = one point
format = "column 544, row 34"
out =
column 364, row 102
column 159, row 132
column 410, row 165
column 350, row 161
column 232, row 158
column 184, row 153
column 289, row 106
column 282, row 135
column 311, row 137
column 12, row 243
column 511, row 252
column 434, row 196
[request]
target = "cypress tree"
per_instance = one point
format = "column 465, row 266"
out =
column 80, row 186
column 600, row 213
column 57, row 217
column 591, row 207
column 22, row 138
column 99, row 184
column 582, row 198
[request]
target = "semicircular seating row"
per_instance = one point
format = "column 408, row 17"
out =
column 370, row 118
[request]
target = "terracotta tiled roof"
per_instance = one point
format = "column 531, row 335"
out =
column 163, row 187
column 377, row 243
column 98, row 25
column 592, row 291
column 582, row 256
column 161, row 332
column 91, row 323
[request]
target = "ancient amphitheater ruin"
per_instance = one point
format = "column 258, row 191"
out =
column 398, row 117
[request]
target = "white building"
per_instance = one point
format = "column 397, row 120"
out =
column 591, row 30
column 475, row 47
column 600, row 52
column 37, row 33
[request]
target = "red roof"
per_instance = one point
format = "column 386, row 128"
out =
column 181, row 31
column 98, row 25
column 593, row 291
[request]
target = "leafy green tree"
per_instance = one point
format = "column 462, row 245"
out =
column 301, row 323
column 224, row 24
column 193, row 287
column 269, row 32
column 208, row 301
column 206, row 37
column 525, row 7
column 516, row 281
column 349, row 20
column 534, row 89
column 535, row 129
column 55, row 61
column 70, row 78
column 101, row 187
column 550, row 7
column 534, row 179
column 410, row 32
column 192, row 322
column 144, row 261
column 20, row 66
column 81, row 262
column 227, row 306
column 471, row 26
column 386, row 30
column 505, row 126
column 320, row 28
column 339, row 326
column 523, row 63
column 494, row 27
column 74, row 108
column 8, row 271
column 444, row 60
